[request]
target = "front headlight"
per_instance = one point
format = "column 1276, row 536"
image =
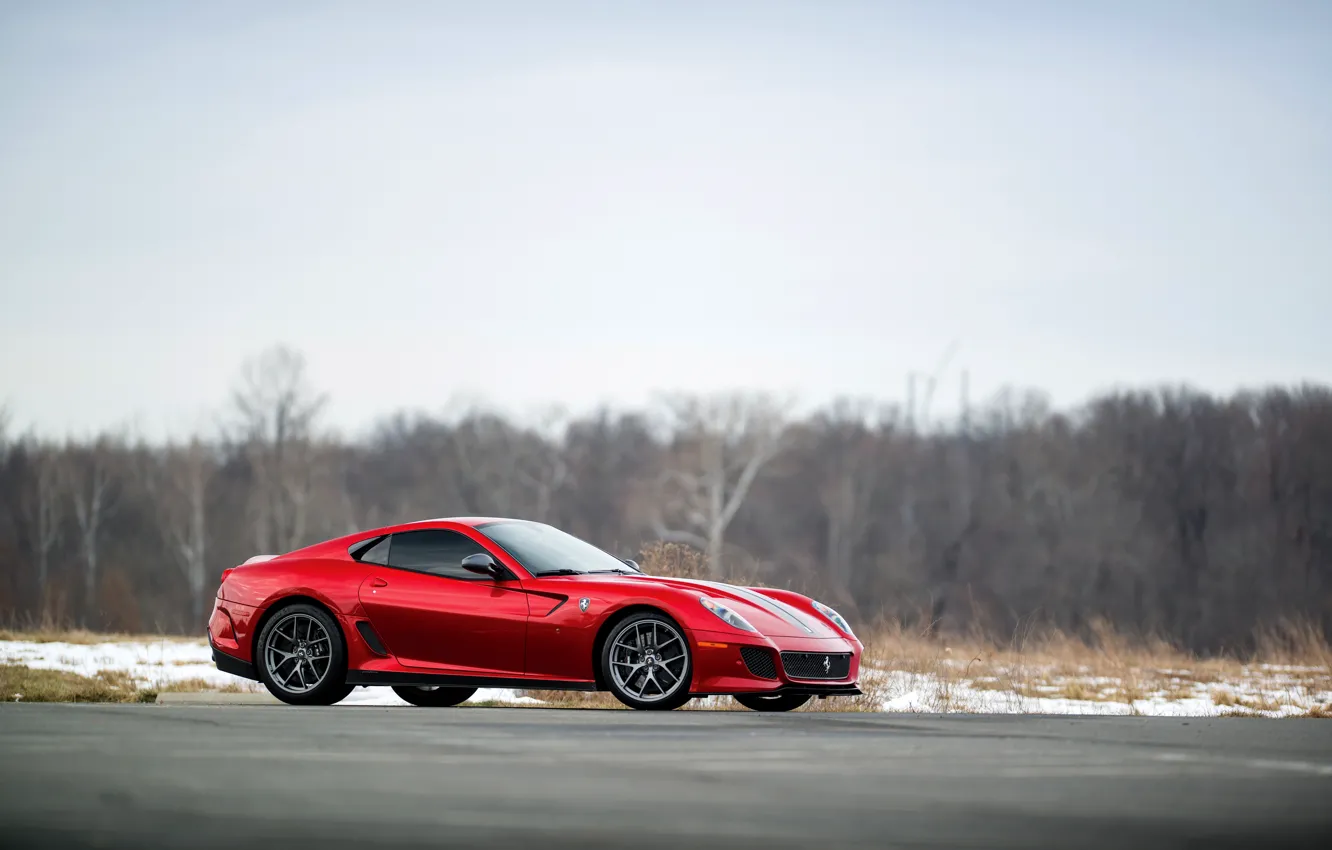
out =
column 838, row 619
column 727, row 616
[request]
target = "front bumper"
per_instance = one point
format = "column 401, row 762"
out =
column 719, row 667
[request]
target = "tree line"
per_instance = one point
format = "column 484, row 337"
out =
column 1164, row 512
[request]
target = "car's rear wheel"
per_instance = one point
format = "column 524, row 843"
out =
column 433, row 697
column 646, row 662
column 301, row 656
column 772, row 702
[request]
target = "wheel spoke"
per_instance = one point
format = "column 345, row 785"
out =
column 298, row 654
column 283, row 679
column 637, row 666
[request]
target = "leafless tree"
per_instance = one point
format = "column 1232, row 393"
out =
column 89, row 476
column 176, row 480
column 276, row 410
column 544, row 469
column 721, row 444
column 42, row 511
column 849, row 438
column 1168, row 512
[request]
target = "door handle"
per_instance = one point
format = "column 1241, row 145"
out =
column 378, row 582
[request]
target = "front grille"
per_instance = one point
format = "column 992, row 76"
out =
column 759, row 662
column 816, row 665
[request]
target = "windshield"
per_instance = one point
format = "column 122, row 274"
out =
column 545, row 550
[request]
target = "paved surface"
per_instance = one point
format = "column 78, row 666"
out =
column 249, row 776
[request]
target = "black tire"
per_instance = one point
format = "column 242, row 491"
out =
column 660, row 636
column 325, row 657
column 433, row 697
column 772, row 702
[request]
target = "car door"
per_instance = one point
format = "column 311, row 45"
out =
column 432, row 614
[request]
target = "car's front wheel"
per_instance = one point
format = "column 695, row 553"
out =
column 301, row 657
column 772, row 702
column 646, row 662
column 433, row 697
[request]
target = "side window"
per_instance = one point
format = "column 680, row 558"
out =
column 434, row 551
column 373, row 552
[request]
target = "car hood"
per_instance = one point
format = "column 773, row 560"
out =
column 768, row 615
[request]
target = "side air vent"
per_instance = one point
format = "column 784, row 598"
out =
column 371, row 638
column 759, row 661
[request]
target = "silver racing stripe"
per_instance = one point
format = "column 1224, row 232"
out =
column 772, row 606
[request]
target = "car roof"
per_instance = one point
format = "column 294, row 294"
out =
column 469, row 520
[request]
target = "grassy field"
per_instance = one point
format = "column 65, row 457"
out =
column 1289, row 676
column 24, row 684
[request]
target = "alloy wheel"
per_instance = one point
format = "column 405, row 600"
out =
column 648, row 660
column 298, row 653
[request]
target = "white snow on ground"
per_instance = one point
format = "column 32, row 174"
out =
column 151, row 663
column 159, row 662
column 1268, row 684
column 156, row 663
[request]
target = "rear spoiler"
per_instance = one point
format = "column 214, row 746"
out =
column 257, row 559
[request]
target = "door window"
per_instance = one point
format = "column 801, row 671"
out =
column 435, row 551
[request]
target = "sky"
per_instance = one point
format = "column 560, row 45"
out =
column 578, row 204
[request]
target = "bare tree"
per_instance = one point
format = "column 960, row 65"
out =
column 176, row 480
column 276, row 410
column 721, row 444
column 849, row 438
column 88, row 478
column 545, row 469
column 42, row 512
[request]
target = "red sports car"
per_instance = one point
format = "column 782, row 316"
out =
column 437, row 609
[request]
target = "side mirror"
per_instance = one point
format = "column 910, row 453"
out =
column 632, row 563
column 482, row 564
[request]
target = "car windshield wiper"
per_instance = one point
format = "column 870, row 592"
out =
column 562, row 571
column 617, row 572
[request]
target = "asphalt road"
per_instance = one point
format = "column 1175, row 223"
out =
column 198, row 777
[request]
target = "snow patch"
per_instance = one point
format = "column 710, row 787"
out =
column 154, row 664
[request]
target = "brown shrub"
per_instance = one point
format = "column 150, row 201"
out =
column 672, row 560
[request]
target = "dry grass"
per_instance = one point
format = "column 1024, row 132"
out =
column 24, row 684
column 574, row 699
column 1223, row 697
column 19, row 683
column 673, row 560
column 85, row 637
column 1289, row 674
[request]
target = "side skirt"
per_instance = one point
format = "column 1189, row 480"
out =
column 234, row 666
column 375, row 677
